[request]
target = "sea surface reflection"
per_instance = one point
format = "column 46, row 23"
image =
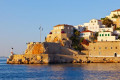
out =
column 91, row 71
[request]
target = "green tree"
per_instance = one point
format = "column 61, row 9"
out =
column 76, row 40
column 115, row 16
column 96, row 35
column 107, row 22
column 117, row 29
column 119, row 37
column 81, row 39
column 77, row 33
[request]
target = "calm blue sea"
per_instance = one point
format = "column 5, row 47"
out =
column 91, row 71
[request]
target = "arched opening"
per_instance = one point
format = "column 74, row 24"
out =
column 115, row 55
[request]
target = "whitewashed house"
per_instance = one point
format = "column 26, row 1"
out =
column 80, row 28
column 94, row 25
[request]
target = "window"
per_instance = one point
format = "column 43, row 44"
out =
column 105, row 34
column 99, row 47
column 72, row 28
column 108, row 34
column 99, row 53
column 102, row 34
column 111, row 47
column 105, row 47
column 68, row 27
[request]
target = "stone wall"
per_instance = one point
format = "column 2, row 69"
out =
column 104, row 49
column 55, row 53
column 39, row 59
column 43, row 53
column 59, row 58
column 87, row 59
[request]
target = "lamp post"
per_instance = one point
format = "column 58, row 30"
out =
column 11, row 51
column 41, row 29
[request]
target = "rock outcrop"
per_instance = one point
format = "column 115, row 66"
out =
column 37, row 53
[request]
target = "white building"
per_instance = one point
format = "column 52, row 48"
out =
column 86, row 34
column 80, row 28
column 115, row 12
column 106, row 29
column 105, row 36
column 94, row 25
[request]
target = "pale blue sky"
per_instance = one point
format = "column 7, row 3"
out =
column 20, row 19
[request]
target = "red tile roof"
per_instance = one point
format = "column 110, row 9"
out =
column 63, row 25
column 99, row 20
column 116, row 10
column 86, row 31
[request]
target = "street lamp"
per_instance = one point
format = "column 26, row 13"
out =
column 41, row 29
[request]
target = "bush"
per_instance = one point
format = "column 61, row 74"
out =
column 107, row 22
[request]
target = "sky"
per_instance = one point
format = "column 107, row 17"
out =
column 20, row 19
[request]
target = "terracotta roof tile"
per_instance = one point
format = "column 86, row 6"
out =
column 116, row 10
column 86, row 31
column 63, row 25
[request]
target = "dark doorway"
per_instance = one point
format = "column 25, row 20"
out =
column 115, row 55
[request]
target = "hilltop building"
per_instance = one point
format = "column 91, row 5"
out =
column 80, row 28
column 61, row 34
column 114, row 14
column 94, row 25
column 115, row 17
column 87, row 34
column 104, row 49
column 105, row 36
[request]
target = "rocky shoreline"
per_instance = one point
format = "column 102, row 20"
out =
column 46, row 53
column 48, row 59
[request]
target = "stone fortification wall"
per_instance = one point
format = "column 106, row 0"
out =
column 28, row 59
column 59, row 58
column 55, row 53
column 52, row 48
column 39, row 59
column 43, row 53
column 104, row 49
column 48, row 48
column 35, row 48
column 87, row 59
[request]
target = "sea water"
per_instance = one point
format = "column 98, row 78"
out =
column 86, row 71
